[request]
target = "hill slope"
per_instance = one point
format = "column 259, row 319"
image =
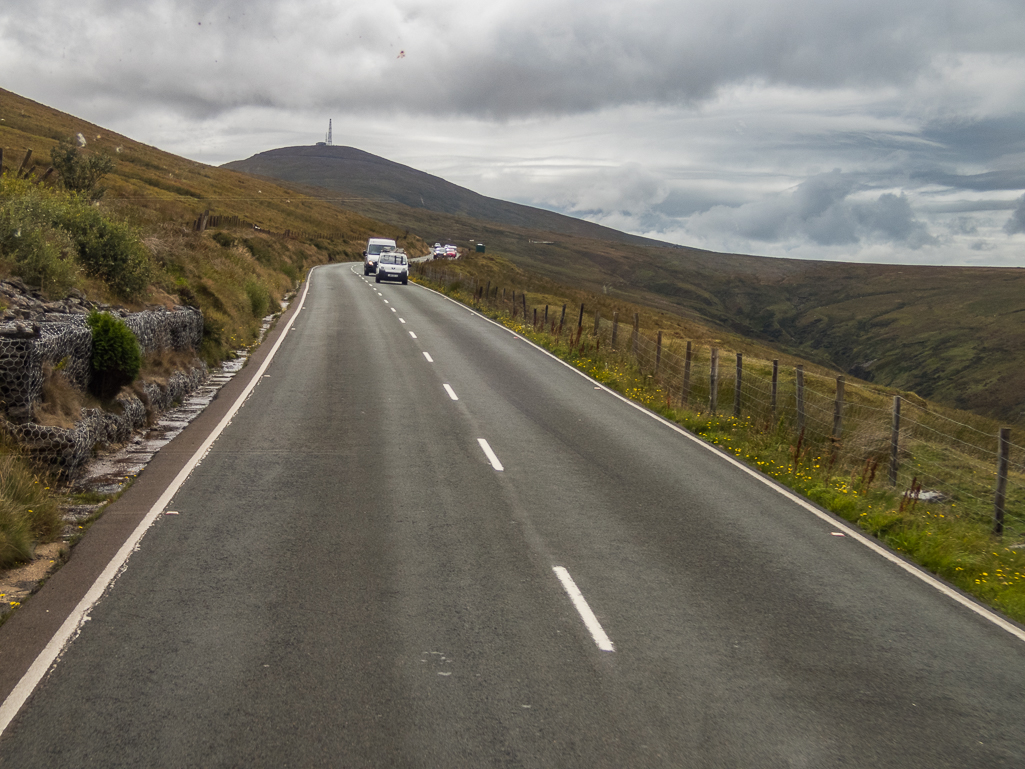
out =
column 955, row 334
column 358, row 174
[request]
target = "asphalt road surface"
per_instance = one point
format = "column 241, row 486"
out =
column 422, row 542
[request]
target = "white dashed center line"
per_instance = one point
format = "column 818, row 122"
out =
column 492, row 457
column 410, row 333
column 403, row 321
column 585, row 611
column 428, row 356
column 393, row 309
column 451, row 392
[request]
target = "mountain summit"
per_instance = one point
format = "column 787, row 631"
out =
column 365, row 178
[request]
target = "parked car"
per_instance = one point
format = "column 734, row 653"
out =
column 373, row 250
column 393, row 265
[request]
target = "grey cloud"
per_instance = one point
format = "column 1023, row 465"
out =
column 980, row 139
column 821, row 210
column 989, row 181
column 1016, row 224
column 966, row 206
column 510, row 60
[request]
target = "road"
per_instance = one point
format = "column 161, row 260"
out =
column 373, row 567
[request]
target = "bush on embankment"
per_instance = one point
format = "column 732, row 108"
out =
column 58, row 240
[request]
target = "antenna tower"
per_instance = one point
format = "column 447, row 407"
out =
column 329, row 142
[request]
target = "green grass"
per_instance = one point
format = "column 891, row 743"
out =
column 28, row 509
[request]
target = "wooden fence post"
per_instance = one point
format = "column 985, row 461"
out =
column 523, row 300
column 546, row 316
column 535, row 318
column 1000, row 498
column 637, row 326
column 713, row 381
column 774, row 390
column 615, row 327
column 24, row 164
column 685, row 394
column 580, row 322
column 737, row 385
column 838, row 415
column 597, row 320
column 562, row 319
column 800, row 399
column 658, row 352
column 895, row 441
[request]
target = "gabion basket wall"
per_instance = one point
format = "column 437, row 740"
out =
column 25, row 347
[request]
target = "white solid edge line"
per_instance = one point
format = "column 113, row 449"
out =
column 80, row 614
column 491, row 455
column 590, row 621
column 451, row 392
column 851, row 532
column 428, row 356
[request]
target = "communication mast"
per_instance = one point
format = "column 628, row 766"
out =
column 329, row 142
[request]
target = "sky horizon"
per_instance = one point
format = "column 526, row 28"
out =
column 887, row 132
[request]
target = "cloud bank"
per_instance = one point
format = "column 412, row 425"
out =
column 874, row 130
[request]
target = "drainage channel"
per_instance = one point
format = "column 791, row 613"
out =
column 109, row 473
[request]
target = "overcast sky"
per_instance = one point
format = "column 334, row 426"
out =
column 877, row 130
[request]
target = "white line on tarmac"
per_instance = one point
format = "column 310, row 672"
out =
column 428, row 356
column 590, row 621
column 492, row 457
column 403, row 321
column 451, row 392
column 393, row 309
column 80, row 614
column 913, row 569
column 410, row 333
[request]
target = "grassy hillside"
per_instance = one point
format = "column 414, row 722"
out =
column 364, row 179
column 954, row 334
column 233, row 276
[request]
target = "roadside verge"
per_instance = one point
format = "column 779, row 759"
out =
column 35, row 636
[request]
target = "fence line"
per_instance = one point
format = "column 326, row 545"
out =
column 859, row 426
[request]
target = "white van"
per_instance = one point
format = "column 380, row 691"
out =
column 371, row 253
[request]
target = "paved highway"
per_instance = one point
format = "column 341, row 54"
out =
column 421, row 542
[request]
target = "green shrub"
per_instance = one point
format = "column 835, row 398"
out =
column 79, row 173
column 116, row 355
column 260, row 250
column 292, row 273
column 40, row 253
column 259, row 298
column 48, row 235
column 110, row 250
column 223, row 239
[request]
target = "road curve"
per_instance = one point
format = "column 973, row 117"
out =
column 423, row 542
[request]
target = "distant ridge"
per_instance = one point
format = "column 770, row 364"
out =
column 953, row 334
column 359, row 174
